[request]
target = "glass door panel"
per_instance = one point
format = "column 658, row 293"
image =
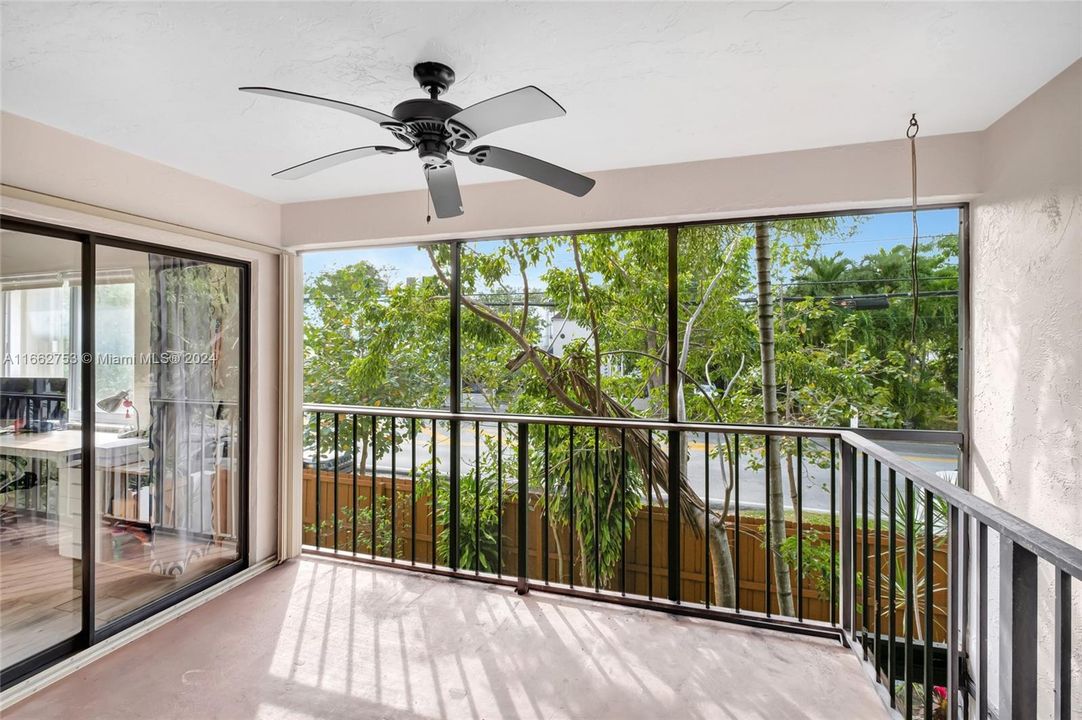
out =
column 40, row 445
column 168, row 389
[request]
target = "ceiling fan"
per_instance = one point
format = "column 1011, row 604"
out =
column 437, row 129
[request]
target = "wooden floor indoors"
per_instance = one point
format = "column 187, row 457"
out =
column 41, row 588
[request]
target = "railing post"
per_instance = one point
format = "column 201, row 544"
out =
column 522, row 586
column 955, row 529
column 1017, row 631
column 452, row 493
column 334, row 495
column 676, row 448
column 673, row 508
column 455, row 398
column 1062, row 644
column 847, row 539
column 982, row 623
column 319, row 439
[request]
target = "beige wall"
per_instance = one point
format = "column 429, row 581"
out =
column 1026, row 333
column 41, row 158
column 846, row 177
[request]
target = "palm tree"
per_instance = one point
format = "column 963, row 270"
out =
column 823, row 276
column 775, row 496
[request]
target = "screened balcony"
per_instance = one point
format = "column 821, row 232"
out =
column 764, row 403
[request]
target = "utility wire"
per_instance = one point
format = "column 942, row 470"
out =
column 859, row 240
column 869, row 280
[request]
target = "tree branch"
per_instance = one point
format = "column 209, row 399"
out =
column 683, row 373
column 690, row 325
column 525, row 287
column 487, row 313
column 593, row 320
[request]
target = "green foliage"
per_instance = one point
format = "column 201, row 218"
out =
column 610, row 501
column 364, row 529
column 368, row 343
column 816, row 560
column 479, row 508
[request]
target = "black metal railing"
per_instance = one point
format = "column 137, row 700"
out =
column 893, row 628
column 528, row 501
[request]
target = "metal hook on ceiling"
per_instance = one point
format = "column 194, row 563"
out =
column 914, row 127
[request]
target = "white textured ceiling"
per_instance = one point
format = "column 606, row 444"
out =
column 643, row 83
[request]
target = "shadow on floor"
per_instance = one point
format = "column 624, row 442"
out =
column 318, row 638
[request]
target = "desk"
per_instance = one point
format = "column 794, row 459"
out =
column 64, row 447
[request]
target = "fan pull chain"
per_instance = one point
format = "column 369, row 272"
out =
column 911, row 133
column 428, row 198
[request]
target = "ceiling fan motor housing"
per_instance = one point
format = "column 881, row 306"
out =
column 423, row 125
column 424, row 120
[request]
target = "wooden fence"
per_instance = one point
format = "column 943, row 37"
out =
column 751, row 582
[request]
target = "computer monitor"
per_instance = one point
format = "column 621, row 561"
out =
column 33, row 404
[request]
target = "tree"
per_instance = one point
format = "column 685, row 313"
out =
column 822, row 276
column 368, row 343
column 572, row 382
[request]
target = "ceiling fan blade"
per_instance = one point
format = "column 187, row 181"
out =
column 443, row 187
column 364, row 112
column 532, row 168
column 328, row 161
column 517, row 107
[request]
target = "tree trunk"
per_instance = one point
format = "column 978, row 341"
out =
column 723, row 582
column 790, row 469
column 362, row 462
column 775, row 492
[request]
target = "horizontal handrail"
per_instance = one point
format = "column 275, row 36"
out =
column 902, row 435
column 1056, row 551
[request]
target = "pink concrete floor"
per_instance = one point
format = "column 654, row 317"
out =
column 318, row 638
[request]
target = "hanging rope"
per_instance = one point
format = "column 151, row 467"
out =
column 911, row 133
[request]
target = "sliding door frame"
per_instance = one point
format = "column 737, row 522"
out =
column 90, row 635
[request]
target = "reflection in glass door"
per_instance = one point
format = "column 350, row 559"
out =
column 123, row 435
column 168, row 385
column 40, row 446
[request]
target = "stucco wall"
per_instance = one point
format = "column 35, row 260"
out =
column 1026, row 331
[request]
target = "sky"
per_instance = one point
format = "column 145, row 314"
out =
column 873, row 232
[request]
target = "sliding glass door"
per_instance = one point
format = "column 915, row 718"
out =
column 123, row 426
